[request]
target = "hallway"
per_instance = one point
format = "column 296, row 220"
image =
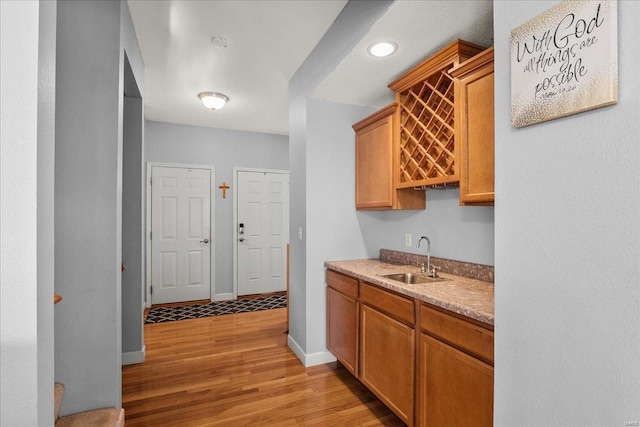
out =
column 236, row 370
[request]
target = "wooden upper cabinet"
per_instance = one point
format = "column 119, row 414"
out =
column 426, row 101
column 474, row 128
column 376, row 165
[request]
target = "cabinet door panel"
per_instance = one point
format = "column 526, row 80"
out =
column 377, row 164
column 479, row 179
column 374, row 157
column 387, row 363
column 342, row 329
column 474, row 128
column 455, row 389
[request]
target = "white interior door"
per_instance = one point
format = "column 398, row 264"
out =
column 263, row 231
column 180, row 234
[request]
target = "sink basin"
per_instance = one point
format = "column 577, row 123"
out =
column 412, row 279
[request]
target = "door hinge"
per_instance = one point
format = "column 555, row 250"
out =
column 151, row 290
column 150, row 181
column 150, row 235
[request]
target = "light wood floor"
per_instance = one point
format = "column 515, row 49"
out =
column 236, row 370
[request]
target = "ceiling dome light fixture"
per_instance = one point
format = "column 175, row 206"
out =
column 382, row 49
column 213, row 100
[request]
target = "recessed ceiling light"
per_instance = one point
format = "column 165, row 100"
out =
column 382, row 49
column 213, row 100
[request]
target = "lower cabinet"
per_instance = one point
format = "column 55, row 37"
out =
column 343, row 319
column 342, row 329
column 455, row 378
column 378, row 335
column 455, row 389
column 387, row 364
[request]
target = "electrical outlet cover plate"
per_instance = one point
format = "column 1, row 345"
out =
column 407, row 239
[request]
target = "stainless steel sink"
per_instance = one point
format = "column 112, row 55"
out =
column 412, row 279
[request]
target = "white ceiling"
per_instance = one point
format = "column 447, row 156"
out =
column 268, row 41
column 420, row 28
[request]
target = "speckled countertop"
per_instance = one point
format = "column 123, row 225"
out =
column 469, row 297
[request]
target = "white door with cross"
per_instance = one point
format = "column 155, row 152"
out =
column 262, row 219
column 180, row 234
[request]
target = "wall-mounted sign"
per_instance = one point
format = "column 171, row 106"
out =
column 564, row 61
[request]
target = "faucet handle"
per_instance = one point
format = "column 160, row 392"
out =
column 434, row 271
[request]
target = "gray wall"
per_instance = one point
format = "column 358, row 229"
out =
column 133, row 232
column 133, row 190
column 567, row 257
column 46, row 191
column 297, row 216
column 348, row 28
column 464, row 233
column 87, row 243
column 339, row 231
column 225, row 149
column 27, row 110
column 91, row 42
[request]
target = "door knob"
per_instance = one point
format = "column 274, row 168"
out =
column 242, row 239
column 204, row 241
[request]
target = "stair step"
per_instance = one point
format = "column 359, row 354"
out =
column 58, row 392
column 107, row 417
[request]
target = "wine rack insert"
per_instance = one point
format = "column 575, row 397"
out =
column 425, row 96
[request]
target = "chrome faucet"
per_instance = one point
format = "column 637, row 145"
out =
column 432, row 272
column 428, row 267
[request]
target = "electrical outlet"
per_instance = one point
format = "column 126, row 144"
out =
column 407, row 239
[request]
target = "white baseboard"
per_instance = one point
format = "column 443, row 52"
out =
column 293, row 345
column 133, row 357
column 312, row 359
column 223, row 297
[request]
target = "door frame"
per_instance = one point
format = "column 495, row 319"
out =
column 212, row 268
column 237, row 169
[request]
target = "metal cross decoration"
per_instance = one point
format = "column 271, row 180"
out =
column 224, row 187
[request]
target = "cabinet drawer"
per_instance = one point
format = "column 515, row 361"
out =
column 467, row 336
column 344, row 284
column 397, row 306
